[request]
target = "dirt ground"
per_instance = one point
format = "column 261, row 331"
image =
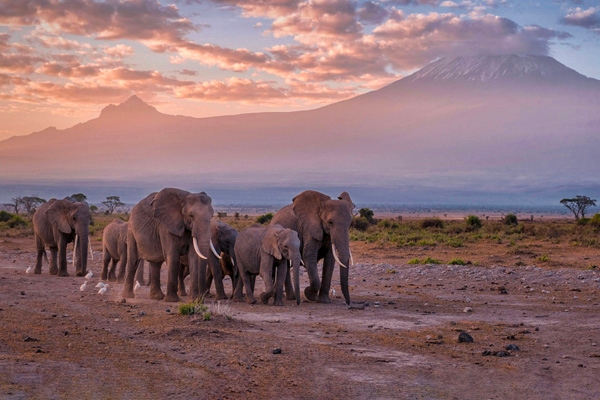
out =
column 535, row 330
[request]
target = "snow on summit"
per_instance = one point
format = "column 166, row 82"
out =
column 494, row 68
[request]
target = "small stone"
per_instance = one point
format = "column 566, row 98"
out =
column 277, row 351
column 464, row 337
column 468, row 310
column 22, row 293
column 123, row 301
column 512, row 347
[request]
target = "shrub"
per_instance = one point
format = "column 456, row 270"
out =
column 511, row 219
column 16, row 221
column 595, row 221
column 265, row 219
column 360, row 224
column 432, row 223
column 367, row 214
column 583, row 221
column 473, row 222
column 5, row 216
column 195, row 307
column 457, row 261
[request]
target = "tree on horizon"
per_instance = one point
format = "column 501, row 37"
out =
column 112, row 202
column 578, row 205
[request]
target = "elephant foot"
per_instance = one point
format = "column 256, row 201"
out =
column 157, row 295
column 237, row 299
column 172, row 298
column 278, row 302
column 127, row 294
column 290, row 296
column 63, row 273
column 324, row 298
column 251, row 300
column 120, row 280
column 37, row 271
column 310, row 294
column 224, row 297
column 111, row 278
column 52, row 271
column 80, row 273
column 182, row 292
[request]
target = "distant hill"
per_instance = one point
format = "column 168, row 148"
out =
column 471, row 126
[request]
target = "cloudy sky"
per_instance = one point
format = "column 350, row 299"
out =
column 62, row 61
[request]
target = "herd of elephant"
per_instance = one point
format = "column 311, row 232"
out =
column 177, row 228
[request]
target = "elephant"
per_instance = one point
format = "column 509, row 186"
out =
column 114, row 252
column 265, row 250
column 56, row 223
column 221, row 260
column 323, row 226
column 163, row 227
column 223, row 237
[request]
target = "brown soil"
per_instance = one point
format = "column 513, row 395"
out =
column 399, row 340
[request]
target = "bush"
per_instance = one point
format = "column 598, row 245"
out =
column 432, row 223
column 595, row 221
column 265, row 219
column 5, row 216
column 17, row 221
column 473, row 222
column 360, row 224
column 583, row 221
column 511, row 219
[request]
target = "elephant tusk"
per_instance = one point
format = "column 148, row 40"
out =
column 198, row 250
column 351, row 260
column 75, row 248
column 335, row 255
column 302, row 262
column 214, row 251
column 91, row 250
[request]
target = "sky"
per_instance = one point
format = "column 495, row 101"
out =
column 62, row 61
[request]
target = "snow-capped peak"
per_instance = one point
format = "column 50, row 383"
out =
column 494, row 68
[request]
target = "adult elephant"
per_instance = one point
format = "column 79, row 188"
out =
column 266, row 250
column 56, row 223
column 163, row 227
column 323, row 225
column 114, row 253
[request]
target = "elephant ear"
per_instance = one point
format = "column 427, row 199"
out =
column 346, row 197
column 58, row 215
column 307, row 206
column 270, row 244
column 167, row 207
column 216, row 228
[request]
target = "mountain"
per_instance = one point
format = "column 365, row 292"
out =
column 476, row 127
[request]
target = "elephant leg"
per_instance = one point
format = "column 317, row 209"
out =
column 289, row 289
column 248, row 285
column 181, row 283
column 62, row 258
column 173, row 267
column 282, row 273
column 131, row 269
column 238, row 295
column 209, row 281
column 155, row 290
column 53, row 261
column 310, row 260
column 328, row 265
column 106, row 258
column 214, row 269
column 40, row 253
column 112, row 276
column 122, row 265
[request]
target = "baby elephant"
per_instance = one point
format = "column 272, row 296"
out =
column 265, row 250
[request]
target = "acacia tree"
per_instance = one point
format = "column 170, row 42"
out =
column 578, row 205
column 113, row 202
column 16, row 204
column 31, row 203
column 80, row 197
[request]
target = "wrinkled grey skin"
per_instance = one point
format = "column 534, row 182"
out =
column 161, row 228
column 223, row 237
column 265, row 250
column 114, row 252
column 55, row 224
column 320, row 221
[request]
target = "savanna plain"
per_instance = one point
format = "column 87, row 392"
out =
column 525, row 292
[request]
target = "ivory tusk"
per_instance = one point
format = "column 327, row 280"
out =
column 351, row 260
column 75, row 249
column 302, row 262
column 335, row 255
column 91, row 251
column 214, row 251
column 198, row 250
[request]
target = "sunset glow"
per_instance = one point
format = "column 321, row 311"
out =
column 62, row 61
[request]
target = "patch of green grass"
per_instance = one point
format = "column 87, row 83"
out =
column 457, row 261
column 192, row 308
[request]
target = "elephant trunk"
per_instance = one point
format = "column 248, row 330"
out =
column 342, row 255
column 296, row 267
column 201, row 244
column 82, row 252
